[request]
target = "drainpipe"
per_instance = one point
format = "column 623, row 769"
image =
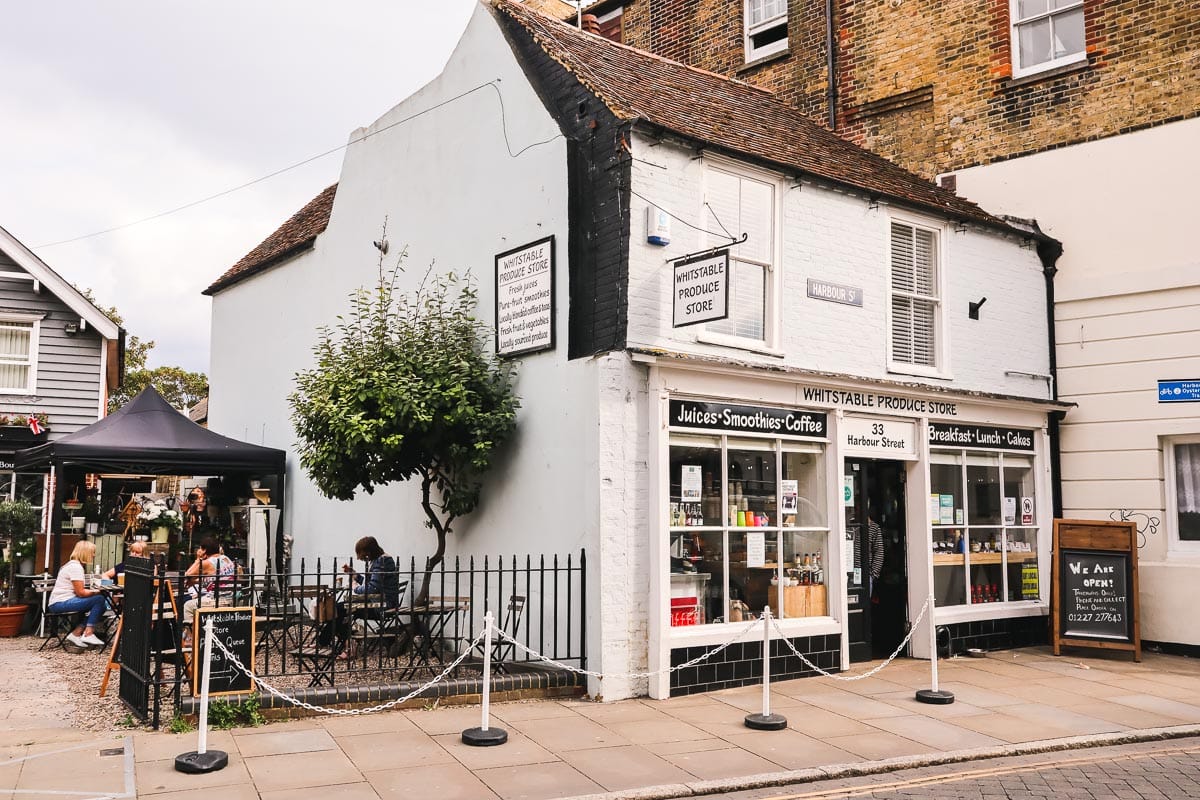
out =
column 1049, row 250
column 831, row 65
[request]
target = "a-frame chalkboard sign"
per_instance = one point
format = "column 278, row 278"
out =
column 234, row 628
column 1094, row 586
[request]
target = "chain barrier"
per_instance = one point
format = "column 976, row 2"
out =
column 868, row 674
column 348, row 712
column 502, row 635
column 536, row 656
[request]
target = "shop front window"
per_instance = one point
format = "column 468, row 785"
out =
column 985, row 539
column 748, row 529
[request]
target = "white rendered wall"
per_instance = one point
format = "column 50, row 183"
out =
column 1127, row 305
column 454, row 196
column 838, row 238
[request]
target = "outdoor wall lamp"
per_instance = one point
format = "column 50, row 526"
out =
column 973, row 308
column 71, row 328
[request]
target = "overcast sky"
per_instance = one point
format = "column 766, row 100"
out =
column 111, row 112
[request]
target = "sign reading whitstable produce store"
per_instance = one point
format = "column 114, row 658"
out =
column 525, row 299
column 701, row 289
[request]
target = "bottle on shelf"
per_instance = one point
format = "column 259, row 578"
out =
column 806, row 570
column 818, row 573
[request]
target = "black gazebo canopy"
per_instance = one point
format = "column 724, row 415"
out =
column 149, row 437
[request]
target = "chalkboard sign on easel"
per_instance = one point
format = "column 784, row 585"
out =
column 1094, row 590
column 234, row 628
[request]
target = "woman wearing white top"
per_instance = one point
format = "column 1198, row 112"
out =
column 70, row 594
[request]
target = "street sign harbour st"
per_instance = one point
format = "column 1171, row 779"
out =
column 1184, row 391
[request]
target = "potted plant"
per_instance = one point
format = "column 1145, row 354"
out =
column 17, row 521
column 159, row 521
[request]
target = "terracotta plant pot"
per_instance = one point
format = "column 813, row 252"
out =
column 11, row 618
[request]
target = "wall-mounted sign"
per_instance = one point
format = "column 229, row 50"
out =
column 885, row 403
column 746, row 419
column 980, row 436
column 525, row 299
column 1094, row 586
column 701, row 289
column 878, row 437
column 835, row 292
column 1179, row 391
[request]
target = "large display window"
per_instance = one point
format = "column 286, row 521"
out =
column 748, row 528
column 985, row 538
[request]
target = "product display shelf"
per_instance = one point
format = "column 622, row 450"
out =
column 950, row 559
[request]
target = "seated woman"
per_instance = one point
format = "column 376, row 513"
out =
column 136, row 548
column 214, row 575
column 69, row 594
column 381, row 582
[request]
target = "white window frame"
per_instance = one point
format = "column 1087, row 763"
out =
column 941, row 367
column 1015, row 39
column 1175, row 545
column 35, row 323
column 769, row 344
column 754, row 53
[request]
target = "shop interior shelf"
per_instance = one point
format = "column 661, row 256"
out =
column 949, row 559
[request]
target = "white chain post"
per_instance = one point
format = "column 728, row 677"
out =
column 933, row 695
column 766, row 721
column 485, row 736
column 202, row 759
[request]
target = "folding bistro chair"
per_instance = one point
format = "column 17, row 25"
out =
column 55, row 626
column 502, row 649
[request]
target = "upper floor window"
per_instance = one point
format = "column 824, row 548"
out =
column 1046, row 34
column 18, row 356
column 766, row 27
column 915, row 303
column 738, row 204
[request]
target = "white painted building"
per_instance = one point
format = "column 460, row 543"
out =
column 859, row 363
column 1127, row 299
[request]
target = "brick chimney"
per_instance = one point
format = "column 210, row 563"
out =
column 591, row 24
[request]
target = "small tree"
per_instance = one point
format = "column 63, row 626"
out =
column 17, row 521
column 406, row 386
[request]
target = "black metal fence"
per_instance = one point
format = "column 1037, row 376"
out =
column 312, row 628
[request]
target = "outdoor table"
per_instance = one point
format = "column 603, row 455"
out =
column 431, row 621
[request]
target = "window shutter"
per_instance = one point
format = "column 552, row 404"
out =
column 914, row 301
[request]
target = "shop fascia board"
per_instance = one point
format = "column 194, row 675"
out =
column 669, row 359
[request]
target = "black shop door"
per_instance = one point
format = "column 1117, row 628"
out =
column 877, row 587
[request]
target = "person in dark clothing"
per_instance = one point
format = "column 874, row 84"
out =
column 379, row 585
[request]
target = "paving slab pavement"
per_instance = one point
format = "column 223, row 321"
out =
column 1010, row 702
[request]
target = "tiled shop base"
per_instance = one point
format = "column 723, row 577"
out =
column 741, row 664
column 993, row 634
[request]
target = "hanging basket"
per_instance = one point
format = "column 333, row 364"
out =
column 11, row 618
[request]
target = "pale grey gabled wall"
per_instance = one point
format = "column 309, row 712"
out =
column 69, row 382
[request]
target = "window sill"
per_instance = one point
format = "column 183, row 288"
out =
column 1028, row 78
column 1007, row 610
column 919, row 372
column 721, row 340
column 719, row 633
column 762, row 61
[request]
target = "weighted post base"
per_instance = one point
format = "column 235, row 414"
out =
column 938, row 698
column 199, row 763
column 766, row 722
column 478, row 737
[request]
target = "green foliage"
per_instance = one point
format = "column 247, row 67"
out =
column 178, row 724
column 17, row 519
column 224, row 715
column 128, row 721
column 406, row 386
column 180, row 388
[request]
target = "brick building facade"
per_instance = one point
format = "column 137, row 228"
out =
column 931, row 85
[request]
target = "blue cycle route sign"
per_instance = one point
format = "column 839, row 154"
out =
column 1179, row 391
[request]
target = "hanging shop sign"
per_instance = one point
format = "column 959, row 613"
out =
column 708, row 416
column 1094, row 586
column 878, row 437
column 984, row 437
column 1179, row 391
column 701, row 289
column 525, row 299
column 835, row 292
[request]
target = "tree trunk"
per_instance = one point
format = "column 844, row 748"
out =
column 441, row 528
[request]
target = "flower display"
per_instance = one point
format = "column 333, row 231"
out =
column 155, row 514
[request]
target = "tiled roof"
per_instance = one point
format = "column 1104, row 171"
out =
column 732, row 115
column 291, row 237
column 199, row 412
